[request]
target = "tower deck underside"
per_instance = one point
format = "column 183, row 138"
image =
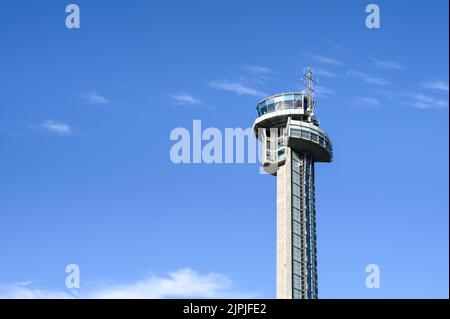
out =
column 296, row 227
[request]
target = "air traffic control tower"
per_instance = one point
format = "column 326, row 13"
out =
column 291, row 142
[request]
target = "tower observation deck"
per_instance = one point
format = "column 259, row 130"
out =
column 292, row 142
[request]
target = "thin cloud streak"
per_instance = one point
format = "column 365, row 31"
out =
column 254, row 75
column 386, row 64
column 183, row 283
column 325, row 73
column 367, row 78
column 323, row 59
column 365, row 102
column 57, row 127
column 185, row 98
column 335, row 46
column 436, row 85
column 423, row 101
column 92, row 97
column 416, row 99
column 323, row 92
column 10, row 132
column 258, row 70
column 236, row 87
column 26, row 291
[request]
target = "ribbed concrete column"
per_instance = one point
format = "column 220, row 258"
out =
column 284, row 230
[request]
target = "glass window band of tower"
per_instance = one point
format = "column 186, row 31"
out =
column 304, row 252
column 282, row 101
column 273, row 145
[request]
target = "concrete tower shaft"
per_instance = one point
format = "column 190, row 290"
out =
column 291, row 143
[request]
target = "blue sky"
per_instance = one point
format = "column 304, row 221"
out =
column 85, row 170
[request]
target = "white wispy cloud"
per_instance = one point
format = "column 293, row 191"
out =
column 387, row 64
column 323, row 92
column 236, row 87
column 325, row 73
column 416, row 99
column 57, row 127
column 185, row 98
column 258, row 70
column 254, row 75
column 365, row 102
column 26, row 290
column 323, row 59
column 423, row 101
column 10, row 132
column 92, row 97
column 335, row 45
column 184, row 283
column 438, row 85
column 367, row 78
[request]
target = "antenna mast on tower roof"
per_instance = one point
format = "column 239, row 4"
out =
column 309, row 92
